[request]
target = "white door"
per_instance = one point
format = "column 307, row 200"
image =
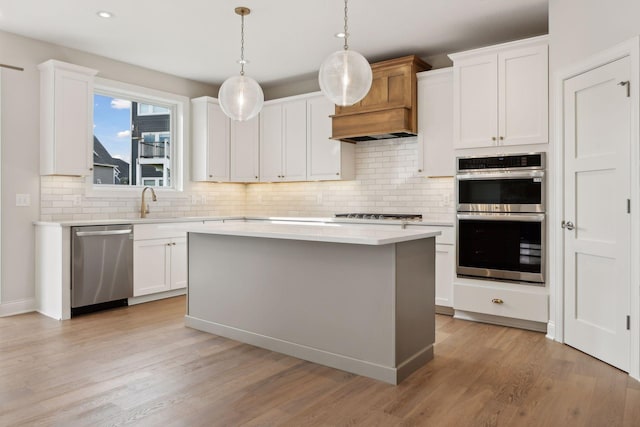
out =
column 245, row 150
column 597, row 135
column 294, row 151
column 523, row 113
column 271, row 143
column 475, row 102
column 151, row 267
column 179, row 263
column 323, row 153
column 218, row 143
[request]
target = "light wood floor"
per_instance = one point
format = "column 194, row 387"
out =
column 140, row 366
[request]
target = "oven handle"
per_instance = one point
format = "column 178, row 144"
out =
column 502, row 217
column 499, row 175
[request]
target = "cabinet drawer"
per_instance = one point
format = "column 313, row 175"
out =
column 517, row 304
column 164, row 230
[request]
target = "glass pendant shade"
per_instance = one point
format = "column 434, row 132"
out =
column 241, row 98
column 345, row 77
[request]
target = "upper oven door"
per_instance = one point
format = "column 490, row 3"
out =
column 517, row 192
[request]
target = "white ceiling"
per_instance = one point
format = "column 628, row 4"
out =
column 284, row 39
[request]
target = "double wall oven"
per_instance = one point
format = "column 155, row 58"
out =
column 501, row 217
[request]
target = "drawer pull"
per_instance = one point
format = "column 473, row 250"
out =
column 497, row 301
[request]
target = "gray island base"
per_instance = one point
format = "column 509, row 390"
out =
column 358, row 303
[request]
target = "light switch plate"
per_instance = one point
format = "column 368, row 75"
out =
column 23, row 199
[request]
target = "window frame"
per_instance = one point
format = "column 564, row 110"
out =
column 179, row 107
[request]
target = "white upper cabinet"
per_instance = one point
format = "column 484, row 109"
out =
column 500, row 95
column 66, row 119
column 211, row 139
column 283, row 141
column 223, row 150
column 435, row 123
column 245, row 145
column 327, row 159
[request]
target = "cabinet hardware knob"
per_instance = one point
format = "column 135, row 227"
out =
column 497, row 301
column 210, row 176
column 493, row 138
column 419, row 170
column 90, row 169
column 337, row 173
column 501, row 138
column 256, row 177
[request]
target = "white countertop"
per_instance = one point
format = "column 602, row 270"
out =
column 333, row 233
column 153, row 220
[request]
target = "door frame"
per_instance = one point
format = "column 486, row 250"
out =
column 630, row 48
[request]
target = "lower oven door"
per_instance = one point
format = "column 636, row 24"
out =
column 501, row 246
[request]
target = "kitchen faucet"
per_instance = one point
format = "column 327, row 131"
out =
column 144, row 208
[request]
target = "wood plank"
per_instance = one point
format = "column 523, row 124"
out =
column 140, row 365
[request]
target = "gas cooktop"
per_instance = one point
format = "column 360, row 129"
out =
column 404, row 217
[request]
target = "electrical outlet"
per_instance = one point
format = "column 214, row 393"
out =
column 194, row 199
column 76, row 200
column 23, row 199
column 319, row 198
column 203, row 199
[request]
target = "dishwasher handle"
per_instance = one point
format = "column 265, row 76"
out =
column 101, row 233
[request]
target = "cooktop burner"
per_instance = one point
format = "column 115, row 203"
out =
column 405, row 217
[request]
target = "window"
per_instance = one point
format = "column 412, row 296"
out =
column 148, row 110
column 137, row 137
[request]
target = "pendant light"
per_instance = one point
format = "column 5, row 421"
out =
column 241, row 97
column 345, row 76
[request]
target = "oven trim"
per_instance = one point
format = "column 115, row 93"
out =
column 535, row 279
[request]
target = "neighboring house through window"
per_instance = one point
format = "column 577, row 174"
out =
column 136, row 139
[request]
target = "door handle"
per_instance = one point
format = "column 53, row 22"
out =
column 568, row 225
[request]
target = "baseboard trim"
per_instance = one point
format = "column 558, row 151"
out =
column 502, row 321
column 441, row 309
column 387, row 374
column 154, row 297
column 551, row 330
column 22, row 306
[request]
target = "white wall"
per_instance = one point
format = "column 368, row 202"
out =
column 20, row 146
column 579, row 28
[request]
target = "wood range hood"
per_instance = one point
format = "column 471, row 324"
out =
column 390, row 108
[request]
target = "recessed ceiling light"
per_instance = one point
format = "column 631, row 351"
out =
column 105, row 14
column 341, row 35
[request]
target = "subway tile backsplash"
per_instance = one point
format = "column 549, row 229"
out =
column 386, row 182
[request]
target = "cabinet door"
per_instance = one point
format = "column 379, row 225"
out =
column 179, row 263
column 445, row 265
column 210, row 136
column 244, row 150
column 151, row 266
column 217, row 144
column 294, row 150
column 435, row 123
column 524, row 96
column 271, row 136
column 475, row 102
column 323, row 153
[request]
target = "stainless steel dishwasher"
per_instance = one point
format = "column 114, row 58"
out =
column 101, row 267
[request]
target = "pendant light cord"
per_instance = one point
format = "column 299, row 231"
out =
column 346, row 27
column 242, row 45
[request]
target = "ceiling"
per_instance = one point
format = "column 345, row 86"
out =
column 284, row 39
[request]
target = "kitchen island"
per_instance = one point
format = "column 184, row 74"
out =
column 354, row 298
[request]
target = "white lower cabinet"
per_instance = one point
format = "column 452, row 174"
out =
column 159, row 259
column 513, row 301
column 445, row 265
